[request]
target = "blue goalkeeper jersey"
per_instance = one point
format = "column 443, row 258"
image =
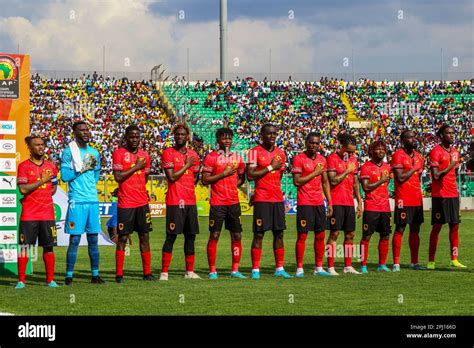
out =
column 82, row 187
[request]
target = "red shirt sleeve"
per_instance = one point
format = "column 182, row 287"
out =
column 356, row 162
column 22, row 174
column 434, row 158
column 397, row 162
column 331, row 163
column 117, row 160
column 208, row 164
column 283, row 166
column 148, row 164
column 167, row 160
column 364, row 172
column 252, row 157
column 297, row 165
column 241, row 166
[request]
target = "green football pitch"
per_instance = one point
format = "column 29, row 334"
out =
column 444, row 291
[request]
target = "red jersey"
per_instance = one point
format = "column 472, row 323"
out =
column 376, row 200
column 224, row 192
column 446, row 186
column 408, row 194
column 268, row 187
column 132, row 192
column 180, row 192
column 343, row 193
column 37, row 205
column 310, row 193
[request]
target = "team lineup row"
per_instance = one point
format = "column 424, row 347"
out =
column 335, row 179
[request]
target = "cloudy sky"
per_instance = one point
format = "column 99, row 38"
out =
column 304, row 35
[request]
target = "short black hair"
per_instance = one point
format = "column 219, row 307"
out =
column 222, row 132
column 77, row 124
column 346, row 139
column 312, row 134
column 405, row 132
column 442, row 129
column 131, row 128
column 30, row 138
column 265, row 126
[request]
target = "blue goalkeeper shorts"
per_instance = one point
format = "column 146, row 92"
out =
column 83, row 217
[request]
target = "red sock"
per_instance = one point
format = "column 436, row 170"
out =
column 435, row 230
column 119, row 260
column 454, row 241
column 48, row 259
column 331, row 253
column 279, row 256
column 189, row 263
column 256, row 256
column 22, row 262
column 299, row 249
column 146, row 262
column 348, row 251
column 396, row 246
column 364, row 251
column 236, row 254
column 319, row 245
column 383, row 251
column 165, row 261
column 211, row 254
column 414, row 242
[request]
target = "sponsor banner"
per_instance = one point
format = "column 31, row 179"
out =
column 7, row 200
column 8, row 219
column 9, row 77
column 8, row 127
column 158, row 209
column 245, row 208
column 7, row 146
column 8, row 255
column 8, row 237
column 7, row 182
column 8, row 165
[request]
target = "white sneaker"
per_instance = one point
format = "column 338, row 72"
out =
column 332, row 271
column 350, row 270
column 164, row 276
column 191, row 275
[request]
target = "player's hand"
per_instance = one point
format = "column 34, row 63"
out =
column 359, row 210
column 90, row 162
column 453, row 163
column 276, row 164
column 46, row 176
column 140, row 163
column 189, row 162
column 384, row 178
column 350, row 167
column 319, row 169
column 230, row 170
column 330, row 211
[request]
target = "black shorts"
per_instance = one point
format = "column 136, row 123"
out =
column 343, row 218
column 228, row 213
column 182, row 219
column 374, row 221
column 268, row 216
column 408, row 215
column 42, row 230
column 310, row 218
column 445, row 211
column 134, row 219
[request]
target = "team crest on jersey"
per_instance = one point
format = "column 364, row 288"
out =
column 278, row 158
column 49, row 171
column 72, row 225
column 259, row 222
column 172, row 226
column 403, row 216
column 333, row 221
column 385, row 172
column 211, row 223
column 366, row 227
column 120, row 226
column 303, row 223
column 438, row 216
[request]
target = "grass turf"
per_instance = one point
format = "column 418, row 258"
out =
column 444, row 291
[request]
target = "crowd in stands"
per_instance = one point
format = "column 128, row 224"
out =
column 297, row 107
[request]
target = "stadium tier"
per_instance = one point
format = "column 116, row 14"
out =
column 383, row 109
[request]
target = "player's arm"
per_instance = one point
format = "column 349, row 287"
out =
column 300, row 180
column 327, row 192
column 196, row 178
column 241, row 179
column 122, row 175
column 67, row 172
column 401, row 176
column 173, row 176
column 358, row 197
column 335, row 179
column 208, row 178
column 369, row 187
column 438, row 174
column 29, row 188
column 254, row 174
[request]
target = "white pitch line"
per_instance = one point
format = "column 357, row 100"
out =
column 5, row 314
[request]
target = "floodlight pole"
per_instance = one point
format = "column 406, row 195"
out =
column 223, row 39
